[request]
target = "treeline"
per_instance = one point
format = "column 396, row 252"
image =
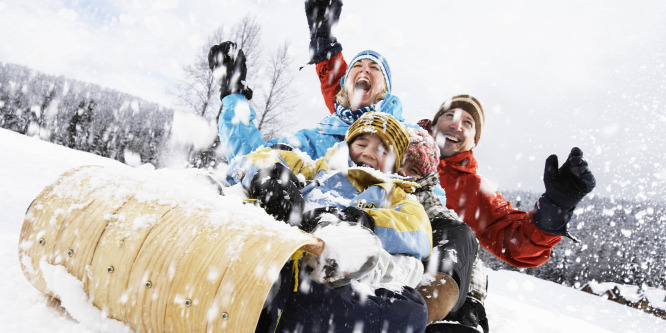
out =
column 621, row 241
column 82, row 116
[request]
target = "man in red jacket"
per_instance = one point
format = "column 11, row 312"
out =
column 522, row 239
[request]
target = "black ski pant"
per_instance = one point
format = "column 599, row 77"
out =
column 314, row 308
column 454, row 250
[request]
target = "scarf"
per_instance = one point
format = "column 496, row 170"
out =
column 348, row 116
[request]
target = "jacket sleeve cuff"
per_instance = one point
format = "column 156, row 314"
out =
column 538, row 236
column 330, row 72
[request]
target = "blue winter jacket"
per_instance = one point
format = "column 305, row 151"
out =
column 239, row 135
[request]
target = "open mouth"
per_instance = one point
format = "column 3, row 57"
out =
column 365, row 165
column 363, row 84
column 452, row 139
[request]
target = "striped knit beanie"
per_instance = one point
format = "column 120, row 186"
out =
column 376, row 57
column 382, row 125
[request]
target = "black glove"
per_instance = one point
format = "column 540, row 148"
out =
column 355, row 215
column 472, row 314
column 311, row 219
column 276, row 189
column 233, row 60
column 322, row 15
column 565, row 187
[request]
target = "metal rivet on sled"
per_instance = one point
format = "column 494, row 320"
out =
column 70, row 252
column 42, row 241
column 110, row 269
column 225, row 316
column 188, row 302
column 149, row 284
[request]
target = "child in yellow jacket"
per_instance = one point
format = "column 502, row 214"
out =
column 353, row 184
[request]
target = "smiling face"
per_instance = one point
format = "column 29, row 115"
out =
column 368, row 150
column 454, row 132
column 364, row 83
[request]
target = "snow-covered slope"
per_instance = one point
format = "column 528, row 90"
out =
column 515, row 303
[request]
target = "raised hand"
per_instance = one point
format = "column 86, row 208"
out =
column 231, row 60
column 565, row 187
column 322, row 15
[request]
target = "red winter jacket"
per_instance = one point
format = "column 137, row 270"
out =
column 509, row 234
column 330, row 72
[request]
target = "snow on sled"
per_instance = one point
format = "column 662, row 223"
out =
column 161, row 251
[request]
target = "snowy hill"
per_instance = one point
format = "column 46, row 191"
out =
column 515, row 303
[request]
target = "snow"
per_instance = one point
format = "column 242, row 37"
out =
column 348, row 244
column 515, row 303
column 76, row 302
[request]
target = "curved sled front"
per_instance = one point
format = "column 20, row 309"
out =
column 161, row 251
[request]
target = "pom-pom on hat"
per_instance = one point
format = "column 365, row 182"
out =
column 468, row 103
column 376, row 57
column 422, row 151
column 382, row 125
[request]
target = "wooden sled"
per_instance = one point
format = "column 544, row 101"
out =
column 159, row 258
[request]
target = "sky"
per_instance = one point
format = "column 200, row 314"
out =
column 550, row 75
column 515, row 303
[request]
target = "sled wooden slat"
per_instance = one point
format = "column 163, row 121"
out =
column 116, row 253
column 79, row 236
column 245, row 287
column 158, row 267
column 197, row 279
column 157, row 263
column 38, row 236
column 42, row 224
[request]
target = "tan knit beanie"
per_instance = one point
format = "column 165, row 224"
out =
column 468, row 103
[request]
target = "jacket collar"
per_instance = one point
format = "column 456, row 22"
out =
column 463, row 162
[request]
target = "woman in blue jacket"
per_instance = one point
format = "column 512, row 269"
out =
column 368, row 80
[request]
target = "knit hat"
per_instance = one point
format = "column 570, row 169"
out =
column 382, row 125
column 422, row 151
column 468, row 103
column 376, row 57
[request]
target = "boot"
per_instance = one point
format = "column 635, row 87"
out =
column 440, row 296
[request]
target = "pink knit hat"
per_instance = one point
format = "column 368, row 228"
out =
column 422, row 151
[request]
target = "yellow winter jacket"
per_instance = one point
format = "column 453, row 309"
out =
column 401, row 222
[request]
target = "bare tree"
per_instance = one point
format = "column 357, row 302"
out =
column 277, row 100
column 198, row 92
column 247, row 35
